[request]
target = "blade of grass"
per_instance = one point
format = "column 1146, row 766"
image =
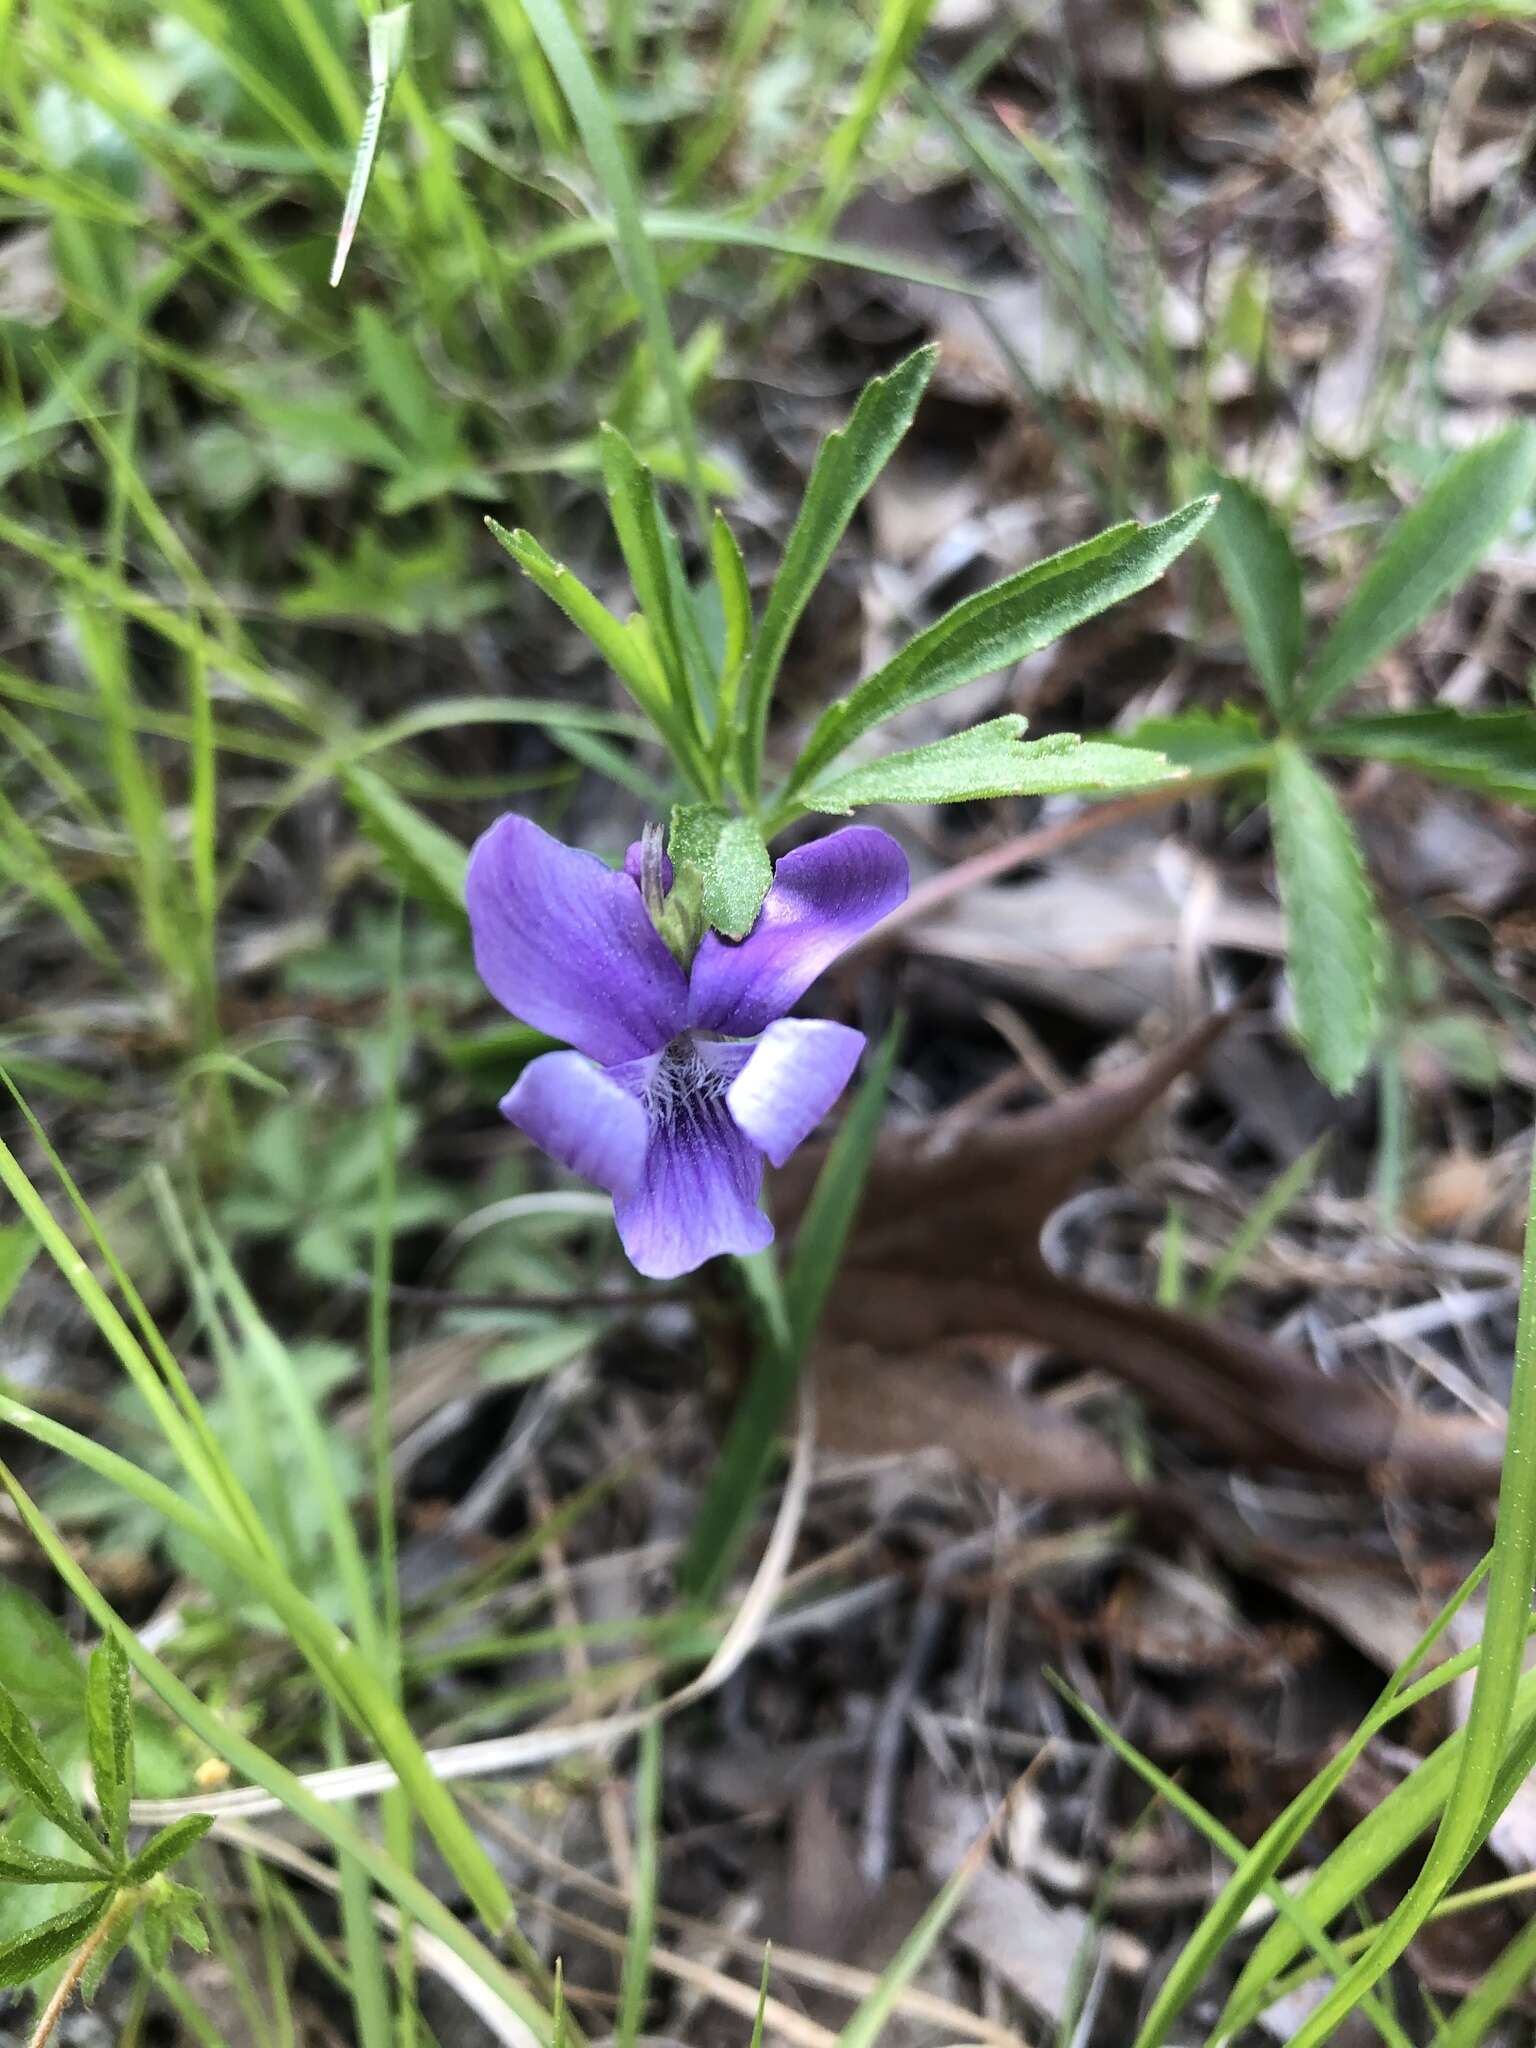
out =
column 609, row 159
column 170, row 1400
column 141, row 801
column 386, row 52
column 335, row 1659
column 901, row 23
column 1387, row 1833
column 642, row 1889
column 367, row 1979
column 26, row 862
column 1260, row 1864
column 396, row 1810
column 243, row 1755
column 1257, row 1224
column 868, row 2023
column 1466, row 1818
column 1227, row 1843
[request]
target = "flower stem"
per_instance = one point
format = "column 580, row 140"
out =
column 80, row 1962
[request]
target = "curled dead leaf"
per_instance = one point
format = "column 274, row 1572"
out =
column 947, row 1253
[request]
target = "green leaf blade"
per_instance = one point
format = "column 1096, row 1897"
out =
column 429, row 863
column 33, row 1778
column 1431, row 550
column 637, row 520
column 1000, row 626
column 168, row 1847
column 1336, row 949
column 990, row 760
column 1262, row 579
column 21, row 1865
column 109, row 1739
column 42, row 1667
column 1207, row 743
column 731, row 860
column 735, row 608
column 565, row 51
column 847, row 464
column 19, row 1246
column 618, row 648
column 1490, row 751
column 27, row 1955
column 386, row 52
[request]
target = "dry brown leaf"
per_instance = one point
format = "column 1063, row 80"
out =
column 958, row 1406
column 947, row 1251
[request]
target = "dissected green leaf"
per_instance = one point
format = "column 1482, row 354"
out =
column 168, row 1847
column 624, row 652
column 1262, row 579
column 639, row 523
column 27, row 1955
column 1335, row 943
column 1207, row 743
column 21, row 1865
column 735, row 608
column 700, row 667
column 989, row 760
column 847, row 463
column 109, row 1737
column 731, row 859
column 1491, row 751
column 185, row 1908
column 33, row 1777
column 1429, row 552
column 428, row 862
column 1001, row 625
column 159, row 1929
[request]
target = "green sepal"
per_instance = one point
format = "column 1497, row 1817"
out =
column 682, row 923
column 731, row 860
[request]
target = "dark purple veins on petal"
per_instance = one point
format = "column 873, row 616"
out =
column 697, row 1195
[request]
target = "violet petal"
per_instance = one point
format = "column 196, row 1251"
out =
column 798, row 1069
column 698, row 1193
column 564, row 943
column 578, row 1115
column 824, row 896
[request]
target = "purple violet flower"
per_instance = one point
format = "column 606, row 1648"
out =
column 680, row 1084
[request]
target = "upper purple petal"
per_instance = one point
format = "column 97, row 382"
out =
column 824, row 896
column 576, row 1113
column 564, row 943
column 797, row 1070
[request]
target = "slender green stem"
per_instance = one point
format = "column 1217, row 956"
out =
column 80, row 1962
